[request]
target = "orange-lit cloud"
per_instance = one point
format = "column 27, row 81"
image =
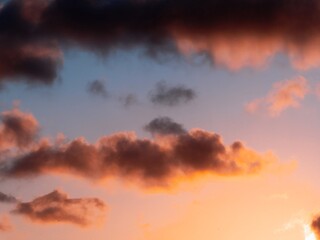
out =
column 5, row 224
column 154, row 162
column 285, row 94
column 57, row 207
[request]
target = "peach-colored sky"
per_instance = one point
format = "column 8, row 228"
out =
column 151, row 120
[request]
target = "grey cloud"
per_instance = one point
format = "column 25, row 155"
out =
column 167, row 95
column 164, row 126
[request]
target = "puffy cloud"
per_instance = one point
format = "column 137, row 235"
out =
column 171, row 95
column 164, row 126
column 4, row 198
column 98, row 88
column 17, row 129
column 57, row 207
column 285, row 94
column 148, row 162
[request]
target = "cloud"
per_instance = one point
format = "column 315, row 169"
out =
column 233, row 33
column 4, row 198
column 128, row 100
column 315, row 225
column 171, row 95
column 98, row 88
column 26, row 53
column 17, row 129
column 164, row 126
column 57, row 207
column 5, row 224
column 285, row 94
column 149, row 162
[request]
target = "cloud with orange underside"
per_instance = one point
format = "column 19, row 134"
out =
column 155, row 162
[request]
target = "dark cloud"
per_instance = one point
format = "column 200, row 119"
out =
column 98, row 88
column 56, row 207
column 4, row 198
column 147, row 162
column 26, row 53
column 164, row 126
column 17, row 129
column 166, row 95
column 34, row 32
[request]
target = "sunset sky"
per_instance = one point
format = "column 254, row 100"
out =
column 159, row 119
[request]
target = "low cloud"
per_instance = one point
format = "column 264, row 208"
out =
column 57, row 207
column 98, row 88
column 164, row 126
column 166, row 95
column 285, row 94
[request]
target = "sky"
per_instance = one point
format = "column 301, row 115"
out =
column 159, row 119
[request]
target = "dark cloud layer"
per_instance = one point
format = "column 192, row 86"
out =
column 4, row 198
column 164, row 126
column 34, row 32
column 26, row 53
column 98, row 88
column 56, row 207
column 166, row 95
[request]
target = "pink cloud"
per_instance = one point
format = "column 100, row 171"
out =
column 284, row 94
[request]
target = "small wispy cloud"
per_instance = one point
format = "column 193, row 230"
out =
column 284, row 94
column 98, row 88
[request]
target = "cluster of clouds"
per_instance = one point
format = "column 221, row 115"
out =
column 236, row 34
column 172, row 154
column 163, row 94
